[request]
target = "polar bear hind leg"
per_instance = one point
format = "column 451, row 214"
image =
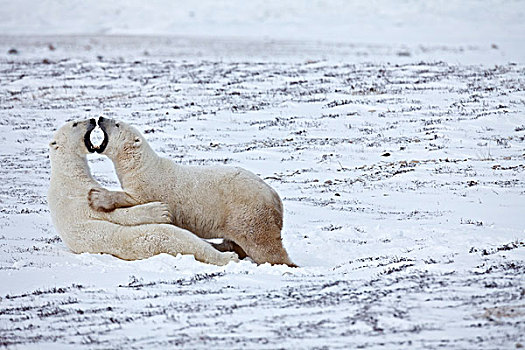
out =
column 258, row 233
column 144, row 241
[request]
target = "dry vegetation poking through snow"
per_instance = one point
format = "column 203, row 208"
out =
column 403, row 186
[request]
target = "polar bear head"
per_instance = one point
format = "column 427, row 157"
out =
column 125, row 145
column 73, row 139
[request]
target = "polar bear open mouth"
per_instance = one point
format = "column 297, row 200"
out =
column 96, row 139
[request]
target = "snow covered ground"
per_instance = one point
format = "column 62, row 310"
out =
column 400, row 165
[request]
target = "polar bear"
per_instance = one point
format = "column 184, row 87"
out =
column 212, row 202
column 136, row 232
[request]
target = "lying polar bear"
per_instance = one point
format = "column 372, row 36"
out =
column 212, row 202
column 136, row 232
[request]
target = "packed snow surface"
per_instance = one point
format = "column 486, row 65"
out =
column 401, row 165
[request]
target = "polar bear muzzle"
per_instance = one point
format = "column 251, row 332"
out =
column 105, row 142
column 87, row 138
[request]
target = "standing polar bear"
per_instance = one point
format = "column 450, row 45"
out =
column 136, row 232
column 212, row 202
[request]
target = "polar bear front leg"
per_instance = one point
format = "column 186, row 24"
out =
column 100, row 199
column 149, row 213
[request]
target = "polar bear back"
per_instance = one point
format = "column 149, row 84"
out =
column 201, row 197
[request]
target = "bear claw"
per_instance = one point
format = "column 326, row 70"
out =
column 98, row 200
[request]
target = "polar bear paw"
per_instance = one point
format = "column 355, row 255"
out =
column 101, row 199
column 156, row 213
column 227, row 257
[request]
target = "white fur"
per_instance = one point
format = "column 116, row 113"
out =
column 212, row 202
column 136, row 232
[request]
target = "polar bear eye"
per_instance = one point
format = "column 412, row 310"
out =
column 75, row 124
column 117, row 125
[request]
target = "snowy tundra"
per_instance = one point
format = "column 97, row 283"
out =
column 402, row 178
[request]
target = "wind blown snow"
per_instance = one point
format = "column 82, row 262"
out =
column 400, row 165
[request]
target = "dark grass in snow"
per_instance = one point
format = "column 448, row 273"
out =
column 403, row 186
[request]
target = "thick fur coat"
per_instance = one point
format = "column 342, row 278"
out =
column 212, row 202
column 135, row 232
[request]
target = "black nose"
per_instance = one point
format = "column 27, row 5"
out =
column 92, row 121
